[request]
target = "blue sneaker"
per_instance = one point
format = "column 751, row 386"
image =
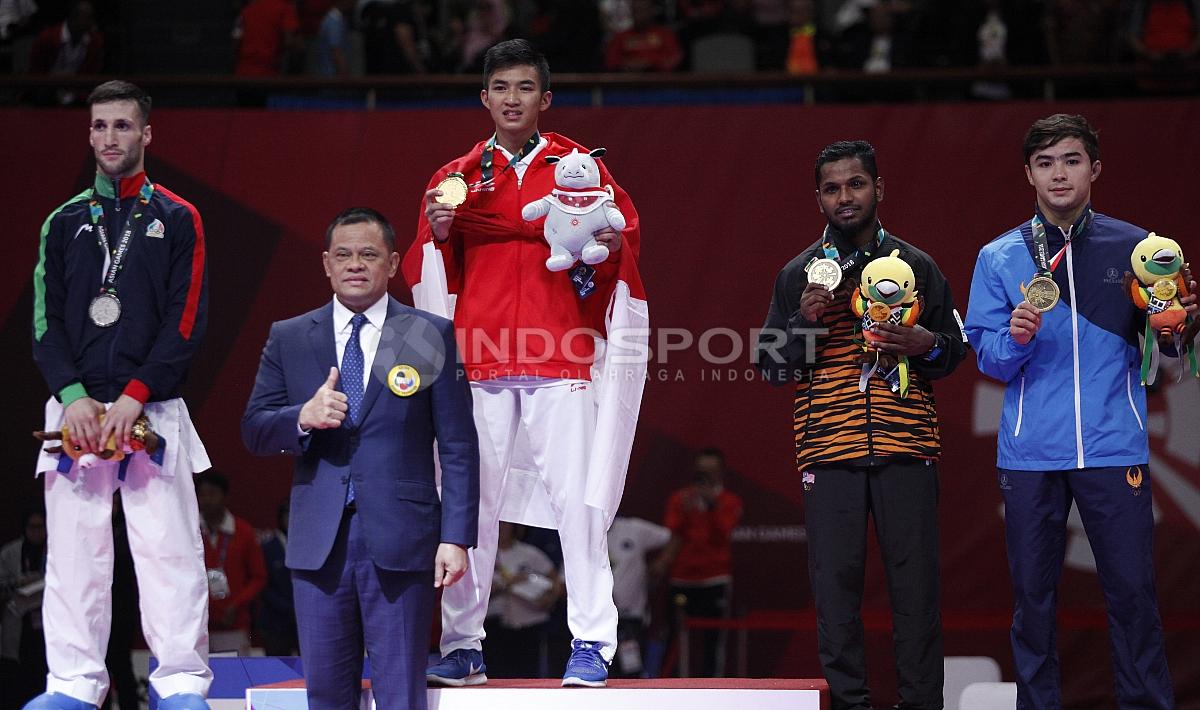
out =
column 183, row 701
column 57, row 701
column 460, row 667
column 586, row 667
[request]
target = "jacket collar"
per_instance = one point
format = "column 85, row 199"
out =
column 128, row 187
column 1077, row 230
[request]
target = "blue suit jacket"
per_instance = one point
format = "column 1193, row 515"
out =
column 389, row 454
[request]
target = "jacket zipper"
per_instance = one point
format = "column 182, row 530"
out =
column 1075, row 356
column 1129, row 394
column 1020, row 404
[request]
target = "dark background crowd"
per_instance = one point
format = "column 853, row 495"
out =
column 398, row 37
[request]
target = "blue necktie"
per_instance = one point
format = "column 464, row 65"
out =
column 352, row 380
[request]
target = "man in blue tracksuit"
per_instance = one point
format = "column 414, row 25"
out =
column 1073, row 426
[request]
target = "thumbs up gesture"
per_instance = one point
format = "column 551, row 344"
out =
column 327, row 408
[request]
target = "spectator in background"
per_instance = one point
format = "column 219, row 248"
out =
column 807, row 47
column 396, row 38
column 525, row 587
column 570, row 33
column 1080, row 31
column 1163, row 30
column 310, row 13
column 630, row 540
column 876, row 43
column 15, row 22
column 236, row 573
column 991, row 36
column 22, row 648
column 649, row 45
column 332, row 44
column 73, row 46
column 487, row 24
column 771, row 29
column 276, row 606
column 701, row 517
column 265, row 33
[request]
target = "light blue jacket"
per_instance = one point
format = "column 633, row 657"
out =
column 1073, row 397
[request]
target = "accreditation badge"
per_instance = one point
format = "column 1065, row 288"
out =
column 404, row 380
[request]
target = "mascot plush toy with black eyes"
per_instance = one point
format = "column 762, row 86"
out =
column 886, row 294
column 1156, row 285
column 575, row 210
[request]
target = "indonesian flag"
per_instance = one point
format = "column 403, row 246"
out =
column 617, row 310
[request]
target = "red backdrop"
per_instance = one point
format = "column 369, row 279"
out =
column 725, row 195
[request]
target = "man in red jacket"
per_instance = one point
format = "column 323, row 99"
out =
column 528, row 339
column 234, row 560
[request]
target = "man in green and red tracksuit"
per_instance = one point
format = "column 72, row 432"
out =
column 120, row 307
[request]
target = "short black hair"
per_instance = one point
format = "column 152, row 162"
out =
column 515, row 53
column 359, row 215
column 714, row 452
column 117, row 90
column 864, row 151
column 1047, row 131
column 215, row 478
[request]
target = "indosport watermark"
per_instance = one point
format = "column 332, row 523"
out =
column 659, row 354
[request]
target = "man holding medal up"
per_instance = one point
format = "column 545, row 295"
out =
column 863, row 448
column 1049, row 318
column 120, row 306
column 554, row 442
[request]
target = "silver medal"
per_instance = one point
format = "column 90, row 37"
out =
column 826, row 272
column 105, row 310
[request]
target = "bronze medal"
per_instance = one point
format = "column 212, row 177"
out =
column 1164, row 289
column 1042, row 293
column 826, row 272
column 879, row 312
column 454, row 190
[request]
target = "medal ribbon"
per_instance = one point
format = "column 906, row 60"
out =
column 831, row 251
column 1047, row 265
column 116, row 256
column 487, row 159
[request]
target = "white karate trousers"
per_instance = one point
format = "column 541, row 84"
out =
column 163, row 521
column 559, row 419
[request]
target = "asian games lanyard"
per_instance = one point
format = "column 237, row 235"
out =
column 1041, row 246
column 116, row 256
column 487, row 159
column 847, row 264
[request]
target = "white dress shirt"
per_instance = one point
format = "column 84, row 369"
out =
column 368, row 335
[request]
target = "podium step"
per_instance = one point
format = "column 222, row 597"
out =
column 547, row 694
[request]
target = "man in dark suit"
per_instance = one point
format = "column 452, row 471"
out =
column 367, row 528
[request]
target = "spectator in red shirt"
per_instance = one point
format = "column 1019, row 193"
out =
column 647, row 46
column 234, row 559
column 701, row 517
column 266, row 30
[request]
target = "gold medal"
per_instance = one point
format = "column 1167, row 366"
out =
column 454, row 190
column 1164, row 289
column 826, row 272
column 879, row 312
column 1042, row 293
column 404, row 380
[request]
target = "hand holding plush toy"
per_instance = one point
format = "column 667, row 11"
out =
column 887, row 294
column 1157, row 285
column 142, row 437
column 575, row 210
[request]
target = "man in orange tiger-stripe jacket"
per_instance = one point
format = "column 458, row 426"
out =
column 862, row 447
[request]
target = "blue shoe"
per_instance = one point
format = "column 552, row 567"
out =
column 183, row 701
column 586, row 667
column 57, row 701
column 460, row 667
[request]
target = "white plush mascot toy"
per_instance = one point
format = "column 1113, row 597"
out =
column 575, row 210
